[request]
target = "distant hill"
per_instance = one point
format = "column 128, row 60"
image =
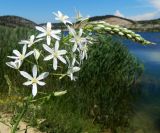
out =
column 115, row 20
column 155, row 21
column 14, row 21
column 55, row 25
column 148, row 25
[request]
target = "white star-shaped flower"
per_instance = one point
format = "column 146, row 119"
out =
column 79, row 17
column 77, row 39
column 55, row 54
column 14, row 64
column 34, row 80
column 21, row 56
column 30, row 42
column 61, row 17
column 72, row 68
column 48, row 32
column 83, row 51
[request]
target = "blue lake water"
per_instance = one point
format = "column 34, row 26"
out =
column 149, row 55
column 147, row 112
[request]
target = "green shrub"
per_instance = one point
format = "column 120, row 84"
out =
column 102, row 94
column 105, row 83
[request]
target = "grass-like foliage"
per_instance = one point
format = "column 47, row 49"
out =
column 101, row 97
column 9, row 38
column 105, row 82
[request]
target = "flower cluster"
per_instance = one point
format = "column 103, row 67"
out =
column 67, row 52
column 67, row 48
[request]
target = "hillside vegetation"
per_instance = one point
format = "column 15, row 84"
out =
column 101, row 98
column 15, row 21
column 148, row 25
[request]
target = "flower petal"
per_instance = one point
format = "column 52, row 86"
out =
column 23, row 42
column 55, row 36
column 56, row 46
column 13, row 57
column 48, row 40
column 72, row 40
column 16, row 52
column 41, row 35
column 26, row 75
column 15, row 65
column 34, row 89
column 41, row 83
column 32, row 38
column 38, row 40
column 27, row 83
column 55, row 63
column 60, row 93
column 71, row 76
column 60, row 13
column 62, row 59
column 80, row 32
column 24, row 49
column 28, row 54
column 11, row 64
column 68, row 61
column 36, row 54
column 67, row 21
column 47, row 48
column 40, row 29
column 73, row 61
column 34, row 71
column 72, row 31
column 76, row 69
column 55, row 14
column 49, row 26
column 43, row 75
column 62, row 52
column 56, row 31
column 74, row 47
column 48, row 57
column 57, row 18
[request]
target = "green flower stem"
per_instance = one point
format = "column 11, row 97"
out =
column 42, row 98
column 14, row 128
column 25, row 108
column 30, row 62
column 33, row 64
column 61, row 75
column 56, row 74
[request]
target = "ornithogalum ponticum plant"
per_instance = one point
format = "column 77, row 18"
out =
column 62, row 50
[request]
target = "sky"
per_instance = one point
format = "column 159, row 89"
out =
column 40, row 11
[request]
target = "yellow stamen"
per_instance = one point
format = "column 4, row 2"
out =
column 34, row 80
column 21, row 57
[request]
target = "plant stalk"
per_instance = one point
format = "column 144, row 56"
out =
column 14, row 128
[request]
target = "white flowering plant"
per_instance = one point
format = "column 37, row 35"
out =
column 66, row 51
